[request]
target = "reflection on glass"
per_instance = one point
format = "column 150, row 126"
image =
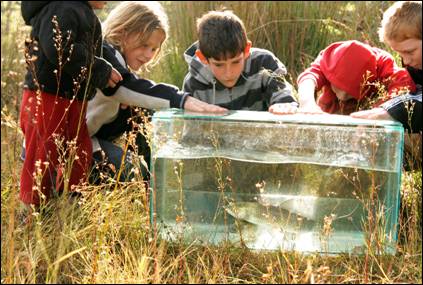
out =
column 306, row 183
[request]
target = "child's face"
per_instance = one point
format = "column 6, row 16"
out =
column 227, row 71
column 341, row 94
column 410, row 50
column 97, row 4
column 137, row 54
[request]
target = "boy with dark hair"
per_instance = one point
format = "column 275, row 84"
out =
column 225, row 70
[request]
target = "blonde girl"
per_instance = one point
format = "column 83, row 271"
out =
column 134, row 33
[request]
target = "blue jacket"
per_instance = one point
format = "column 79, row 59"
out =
column 106, row 119
column 407, row 109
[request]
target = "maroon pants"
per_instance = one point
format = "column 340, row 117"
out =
column 49, row 124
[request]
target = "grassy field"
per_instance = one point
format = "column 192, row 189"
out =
column 105, row 236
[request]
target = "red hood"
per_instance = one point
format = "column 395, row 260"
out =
column 345, row 65
column 357, row 69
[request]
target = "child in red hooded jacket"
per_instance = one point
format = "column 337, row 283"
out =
column 352, row 76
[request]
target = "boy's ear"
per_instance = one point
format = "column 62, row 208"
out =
column 201, row 56
column 247, row 49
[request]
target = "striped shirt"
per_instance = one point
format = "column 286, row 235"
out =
column 261, row 84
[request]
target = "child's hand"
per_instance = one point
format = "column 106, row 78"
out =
column 195, row 105
column 284, row 108
column 308, row 105
column 373, row 114
column 115, row 77
column 311, row 108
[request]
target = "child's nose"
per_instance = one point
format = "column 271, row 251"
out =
column 406, row 60
column 149, row 54
column 228, row 71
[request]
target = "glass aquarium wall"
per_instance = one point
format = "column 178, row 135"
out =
column 309, row 183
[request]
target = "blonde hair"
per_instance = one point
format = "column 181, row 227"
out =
column 135, row 18
column 402, row 21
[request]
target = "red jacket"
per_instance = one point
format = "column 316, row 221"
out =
column 355, row 68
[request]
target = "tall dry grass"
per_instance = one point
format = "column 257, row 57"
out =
column 106, row 237
column 295, row 31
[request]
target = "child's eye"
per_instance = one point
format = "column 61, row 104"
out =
column 409, row 52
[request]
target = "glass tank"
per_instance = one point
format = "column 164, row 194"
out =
column 309, row 183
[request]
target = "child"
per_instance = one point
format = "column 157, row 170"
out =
column 225, row 70
column 134, row 33
column 351, row 75
column 61, row 54
column 402, row 30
